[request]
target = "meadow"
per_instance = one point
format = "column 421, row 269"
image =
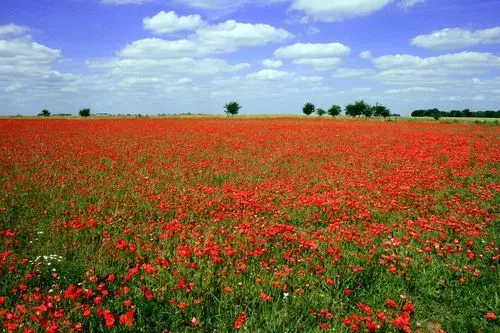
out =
column 248, row 224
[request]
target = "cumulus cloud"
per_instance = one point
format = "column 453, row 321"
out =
column 319, row 56
column 457, row 61
column 352, row 72
column 26, row 67
column 366, row 55
column 168, row 67
column 269, row 74
column 338, row 10
column 225, row 37
column 410, row 70
column 11, row 30
column 330, row 11
column 410, row 90
column 225, row 5
column 269, row 63
column 456, row 38
column 313, row 50
column 231, row 34
column 164, row 23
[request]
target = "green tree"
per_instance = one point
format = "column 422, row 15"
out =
column 334, row 110
column 44, row 113
column 381, row 111
column 320, row 112
column 368, row 111
column 357, row 109
column 85, row 112
column 436, row 115
column 308, row 109
column 232, row 108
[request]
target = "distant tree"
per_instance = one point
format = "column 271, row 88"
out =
column 308, row 109
column 320, row 112
column 381, row 111
column 44, row 113
column 232, row 108
column 334, row 110
column 357, row 109
column 436, row 115
column 85, row 112
column 367, row 112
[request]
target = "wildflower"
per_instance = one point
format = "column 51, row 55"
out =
column 240, row 320
column 491, row 316
column 127, row 318
column 265, row 297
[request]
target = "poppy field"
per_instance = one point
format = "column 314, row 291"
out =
column 248, row 224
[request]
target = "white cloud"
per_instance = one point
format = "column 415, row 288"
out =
column 318, row 56
column 161, row 48
column 11, row 30
column 409, row 3
column 26, row 67
column 330, row 11
column 269, row 63
column 211, row 39
column 337, row 10
column 313, row 51
column 455, row 38
column 168, row 67
column 458, row 61
column 366, row 55
column 23, row 54
column 231, row 34
column 411, row 89
column 440, row 70
column 269, row 74
column 163, row 22
column 225, row 5
column 319, row 63
column 352, row 72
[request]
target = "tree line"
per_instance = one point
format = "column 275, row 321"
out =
column 465, row 113
column 358, row 108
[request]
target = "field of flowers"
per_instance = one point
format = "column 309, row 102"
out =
column 258, row 225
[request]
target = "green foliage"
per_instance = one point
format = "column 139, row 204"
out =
column 381, row 111
column 357, row 109
column 320, row 112
column 465, row 113
column 44, row 113
column 85, row 112
column 308, row 109
column 334, row 110
column 367, row 111
column 232, row 108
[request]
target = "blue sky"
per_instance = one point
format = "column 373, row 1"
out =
column 272, row 56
